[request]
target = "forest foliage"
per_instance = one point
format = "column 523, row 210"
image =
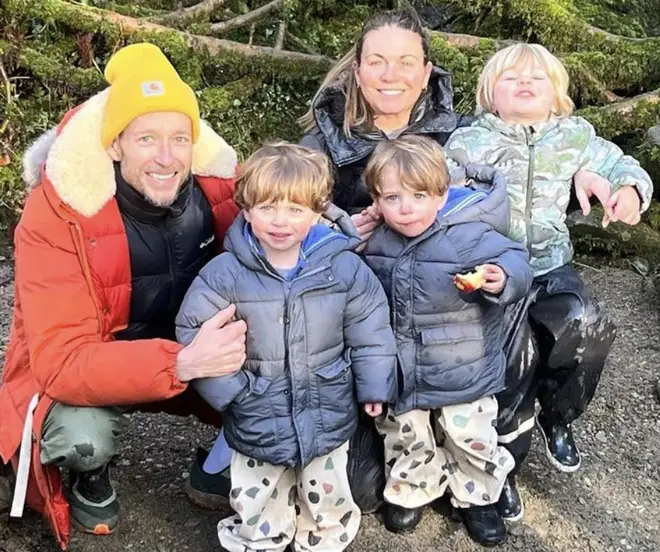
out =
column 255, row 64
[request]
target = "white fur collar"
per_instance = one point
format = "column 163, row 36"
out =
column 81, row 171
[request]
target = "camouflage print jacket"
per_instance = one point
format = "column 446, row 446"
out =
column 539, row 164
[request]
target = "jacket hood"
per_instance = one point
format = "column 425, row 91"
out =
column 80, row 170
column 432, row 114
column 320, row 246
column 518, row 131
column 484, row 199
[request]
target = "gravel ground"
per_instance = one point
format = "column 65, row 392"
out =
column 611, row 504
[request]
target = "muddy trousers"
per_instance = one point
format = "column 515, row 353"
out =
column 557, row 360
column 311, row 507
column 85, row 438
column 469, row 461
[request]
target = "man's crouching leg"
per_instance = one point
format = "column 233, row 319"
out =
column 83, row 440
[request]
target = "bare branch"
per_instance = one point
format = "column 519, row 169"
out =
column 7, row 85
column 460, row 40
column 279, row 40
column 626, row 106
column 250, row 17
column 206, row 6
column 614, row 37
column 130, row 25
column 300, row 44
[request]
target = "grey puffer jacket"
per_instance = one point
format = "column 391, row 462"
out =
column 318, row 343
column 449, row 343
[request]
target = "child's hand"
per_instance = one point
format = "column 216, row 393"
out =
column 495, row 279
column 589, row 184
column 373, row 409
column 625, row 206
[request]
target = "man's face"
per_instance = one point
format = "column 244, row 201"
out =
column 155, row 155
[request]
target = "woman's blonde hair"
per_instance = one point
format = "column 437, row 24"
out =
column 280, row 171
column 356, row 110
column 520, row 55
column 419, row 161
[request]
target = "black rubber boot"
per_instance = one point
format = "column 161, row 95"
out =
column 510, row 505
column 560, row 447
column 483, row 524
column 398, row 519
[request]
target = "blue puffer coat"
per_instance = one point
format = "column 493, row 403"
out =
column 318, row 343
column 449, row 343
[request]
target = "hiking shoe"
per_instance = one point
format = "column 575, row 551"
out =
column 510, row 506
column 93, row 500
column 398, row 519
column 206, row 490
column 483, row 524
column 560, row 447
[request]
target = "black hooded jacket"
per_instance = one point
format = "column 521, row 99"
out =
column 433, row 116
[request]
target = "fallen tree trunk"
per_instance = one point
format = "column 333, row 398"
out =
column 130, row 25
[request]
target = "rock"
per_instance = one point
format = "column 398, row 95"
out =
column 601, row 436
column 617, row 240
column 653, row 136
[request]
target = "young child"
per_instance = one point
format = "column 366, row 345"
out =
column 448, row 341
column 526, row 130
column 318, row 343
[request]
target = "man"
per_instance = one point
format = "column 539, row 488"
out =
column 113, row 232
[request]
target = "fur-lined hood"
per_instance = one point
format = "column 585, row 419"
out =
column 81, row 171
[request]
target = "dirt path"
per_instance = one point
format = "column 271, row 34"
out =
column 611, row 504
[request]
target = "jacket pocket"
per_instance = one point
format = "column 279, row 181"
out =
column 450, row 357
column 252, row 414
column 451, row 345
column 337, row 402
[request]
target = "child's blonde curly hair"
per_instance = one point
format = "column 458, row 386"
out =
column 521, row 55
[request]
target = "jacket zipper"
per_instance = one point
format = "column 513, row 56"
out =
column 530, row 183
column 79, row 240
column 170, row 261
column 287, row 320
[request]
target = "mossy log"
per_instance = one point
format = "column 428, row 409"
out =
column 53, row 52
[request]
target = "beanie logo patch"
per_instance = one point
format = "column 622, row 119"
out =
column 153, row 88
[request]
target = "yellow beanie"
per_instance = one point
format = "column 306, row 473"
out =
column 142, row 80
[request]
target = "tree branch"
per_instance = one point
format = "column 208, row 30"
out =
column 460, row 40
column 214, row 46
column 250, row 17
column 614, row 37
column 281, row 31
column 203, row 7
column 300, row 44
column 7, row 86
column 626, row 106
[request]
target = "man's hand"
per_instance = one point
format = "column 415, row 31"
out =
column 588, row 184
column 625, row 205
column 217, row 350
column 495, row 278
column 373, row 409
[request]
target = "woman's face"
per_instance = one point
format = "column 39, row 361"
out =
column 392, row 74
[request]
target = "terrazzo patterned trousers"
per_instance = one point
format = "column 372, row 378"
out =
column 469, row 462
column 311, row 507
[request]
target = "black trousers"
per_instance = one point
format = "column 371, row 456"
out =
column 558, row 341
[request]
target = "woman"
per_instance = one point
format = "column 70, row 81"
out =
column 383, row 87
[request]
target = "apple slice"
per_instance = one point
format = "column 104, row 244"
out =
column 470, row 281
